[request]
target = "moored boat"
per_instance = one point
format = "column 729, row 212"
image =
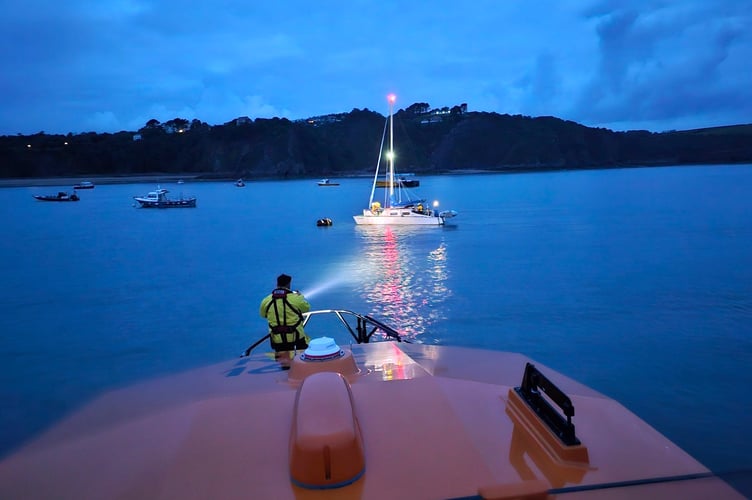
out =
column 84, row 185
column 369, row 420
column 60, row 196
column 404, row 180
column 400, row 206
column 240, row 183
column 159, row 199
column 327, row 182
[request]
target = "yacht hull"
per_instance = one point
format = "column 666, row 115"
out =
column 397, row 217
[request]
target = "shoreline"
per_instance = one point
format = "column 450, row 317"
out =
column 104, row 180
column 193, row 177
column 136, row 179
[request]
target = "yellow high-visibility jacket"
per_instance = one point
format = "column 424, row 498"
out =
column 283, row 309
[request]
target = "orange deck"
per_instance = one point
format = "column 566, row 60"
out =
column 435, row 422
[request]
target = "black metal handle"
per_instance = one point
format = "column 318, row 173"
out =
column 533, row 381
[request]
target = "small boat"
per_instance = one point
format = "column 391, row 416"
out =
column 327, row 182
column 84, row 185
column 240, row 183
column 61, row 196
column 326, row 221
column 403, row 180
column 370, row 416
column 159, row 199
column 181, row 181
column 400, row 206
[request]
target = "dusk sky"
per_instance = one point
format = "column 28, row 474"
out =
column 106, row 66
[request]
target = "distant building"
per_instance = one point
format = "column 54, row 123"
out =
column 136, row 137
column 318, row 120
column 435, row 118
column 243, row 120
column 437, row 115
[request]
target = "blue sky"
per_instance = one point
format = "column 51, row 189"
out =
column 111, row 65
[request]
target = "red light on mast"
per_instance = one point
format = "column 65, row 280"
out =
column 392, row 98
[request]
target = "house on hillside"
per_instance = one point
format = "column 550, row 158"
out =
column 318, row 120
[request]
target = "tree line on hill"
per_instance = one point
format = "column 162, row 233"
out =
column 348, row 144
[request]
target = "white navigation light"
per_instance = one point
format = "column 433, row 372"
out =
column 321, row 349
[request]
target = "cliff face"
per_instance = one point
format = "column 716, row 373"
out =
column 348, row 144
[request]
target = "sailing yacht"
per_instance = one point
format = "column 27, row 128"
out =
column 399, row 206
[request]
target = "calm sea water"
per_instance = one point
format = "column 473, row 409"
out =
column 637, row 282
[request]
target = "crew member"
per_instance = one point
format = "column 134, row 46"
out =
column 283, row 309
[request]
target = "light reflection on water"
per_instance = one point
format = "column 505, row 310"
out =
column 403, row 275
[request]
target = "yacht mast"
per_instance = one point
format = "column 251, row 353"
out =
column 390, row 154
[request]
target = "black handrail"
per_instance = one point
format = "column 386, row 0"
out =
column 533, row 381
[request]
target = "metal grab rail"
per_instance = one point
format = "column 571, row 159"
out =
column 533, row 382
column 363, row 323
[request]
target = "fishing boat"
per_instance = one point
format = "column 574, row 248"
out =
column 400, row 206
column 372, row 416
column 327, row 182
column 60, row 196
column 84, row 185
column 159, row 199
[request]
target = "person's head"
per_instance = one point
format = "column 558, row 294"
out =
column 284, row 280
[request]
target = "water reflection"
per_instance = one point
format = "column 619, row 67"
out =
column 403, row 276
